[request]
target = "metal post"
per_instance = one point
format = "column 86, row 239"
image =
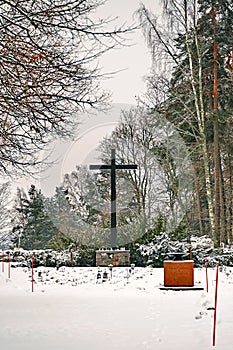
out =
column 215, row 305
column 9, row 266
column 32, row 273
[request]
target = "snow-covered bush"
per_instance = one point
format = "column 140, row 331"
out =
column 201, row 242
column 153, row 253
column 162, row 247
column 49, row 258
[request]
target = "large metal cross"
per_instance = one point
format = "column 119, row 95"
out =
column 113, row 167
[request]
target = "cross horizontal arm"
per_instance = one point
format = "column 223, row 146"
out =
column 109, row 167
column 95, row 167
column 122, row 166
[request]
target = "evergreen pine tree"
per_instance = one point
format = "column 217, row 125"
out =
column 38, row 228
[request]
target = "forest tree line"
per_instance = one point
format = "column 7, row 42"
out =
column 179, row 134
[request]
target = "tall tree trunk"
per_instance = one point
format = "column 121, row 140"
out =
column 200, row 113
column 198, row 199
column 223, row 219
column 217, row 163
column 230, row 200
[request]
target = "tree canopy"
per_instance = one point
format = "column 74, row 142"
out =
column 48, row 72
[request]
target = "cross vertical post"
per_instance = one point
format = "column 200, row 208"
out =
column 113, row 237
column 113, row 167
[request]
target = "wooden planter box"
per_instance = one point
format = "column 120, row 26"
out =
column 179, row 273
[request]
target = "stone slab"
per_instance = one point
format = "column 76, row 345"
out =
column 112, row 257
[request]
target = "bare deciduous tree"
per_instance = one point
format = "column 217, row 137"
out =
column 48, row 72
column 196, row 41
column 162, row 181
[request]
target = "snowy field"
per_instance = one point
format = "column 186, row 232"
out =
column 69, row 310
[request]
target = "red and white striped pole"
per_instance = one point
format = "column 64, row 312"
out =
column 215, row 305
column 206, row 274
column 32, row 273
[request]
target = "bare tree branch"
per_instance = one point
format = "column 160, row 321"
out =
column 48, row 72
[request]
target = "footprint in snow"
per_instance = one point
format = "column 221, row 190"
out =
column 200, row 315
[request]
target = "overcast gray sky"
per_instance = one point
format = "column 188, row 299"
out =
column 134, row 61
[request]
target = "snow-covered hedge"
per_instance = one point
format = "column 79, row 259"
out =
column 200, row 248
column 49, row 257
column 154, row 253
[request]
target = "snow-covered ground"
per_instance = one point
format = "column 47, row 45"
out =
column 69, row 310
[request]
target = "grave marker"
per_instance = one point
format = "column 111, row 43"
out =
column 113, row 256
column 113, row 167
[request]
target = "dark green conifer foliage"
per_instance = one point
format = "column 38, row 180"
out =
column 38, row 229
